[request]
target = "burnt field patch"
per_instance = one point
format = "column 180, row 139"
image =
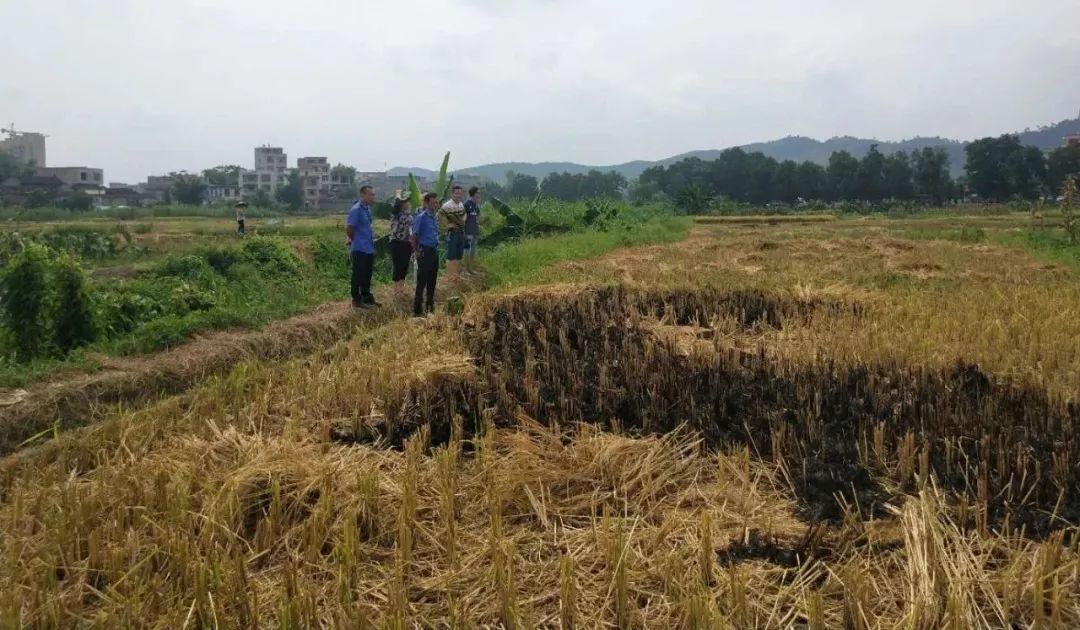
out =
column 849, row 435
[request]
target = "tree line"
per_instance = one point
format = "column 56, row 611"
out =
column 997, row 169
column 563, row 186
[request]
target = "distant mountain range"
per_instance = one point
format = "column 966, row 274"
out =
column 796, row 148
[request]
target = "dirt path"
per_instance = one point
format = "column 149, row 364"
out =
column 69, row 402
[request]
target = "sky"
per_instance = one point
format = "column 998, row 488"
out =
column 141, row 87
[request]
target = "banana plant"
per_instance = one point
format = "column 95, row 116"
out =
column 415, row 196
column 442, row 182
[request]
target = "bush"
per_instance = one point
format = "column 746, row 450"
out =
column 187, row 297
column 123, row 310
column 79, row 202
column 24, row 292
column 81, row 242
column 330, row 257
column 271, row 256
column 73, row 325
column 222, row 258
column 189, row 267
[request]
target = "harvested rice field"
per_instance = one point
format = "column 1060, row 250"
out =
column 771, row 424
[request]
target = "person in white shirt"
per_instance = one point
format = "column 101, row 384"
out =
column 452, row 216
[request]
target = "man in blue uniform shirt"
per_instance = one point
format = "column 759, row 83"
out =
column 425, row 241
column 361, row 241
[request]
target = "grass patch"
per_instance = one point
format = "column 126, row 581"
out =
column 1045, row 244
column 214, row 286
column 515, row 263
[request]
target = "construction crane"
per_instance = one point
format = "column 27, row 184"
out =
column 11, row 131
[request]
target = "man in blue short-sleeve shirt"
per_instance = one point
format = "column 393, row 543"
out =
column 361, row 241
column 425, row 241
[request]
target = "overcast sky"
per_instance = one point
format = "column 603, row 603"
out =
column 144, row 86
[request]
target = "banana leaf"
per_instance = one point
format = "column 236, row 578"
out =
column 512, row 219
column 415, row 196
column 442, row 183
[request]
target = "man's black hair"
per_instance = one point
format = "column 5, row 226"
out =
column 429, row 196
column 456, row 187
column 473, row 191
column 365, row 188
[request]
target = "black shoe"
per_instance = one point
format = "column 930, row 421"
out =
column 357, row 304
column 366, row 306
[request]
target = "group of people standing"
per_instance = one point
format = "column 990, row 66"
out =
column 415, row 234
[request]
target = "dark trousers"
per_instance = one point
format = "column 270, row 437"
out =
column 362, row 266
column 427, row 272
column 401, row 256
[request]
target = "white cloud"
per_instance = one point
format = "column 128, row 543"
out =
column 148, row 86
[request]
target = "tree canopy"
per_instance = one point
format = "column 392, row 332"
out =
column 188, row 189
column 224, row 175
column 520, row 186
column 292, row 193
column 1001, row 168
column 574, row 187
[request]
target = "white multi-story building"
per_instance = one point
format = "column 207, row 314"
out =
column 271, row 168
column 314, row 175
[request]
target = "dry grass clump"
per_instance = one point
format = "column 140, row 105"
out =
column 521, row 528
column 243, row 530
column 357, row 382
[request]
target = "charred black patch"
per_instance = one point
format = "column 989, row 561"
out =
column 838, row 429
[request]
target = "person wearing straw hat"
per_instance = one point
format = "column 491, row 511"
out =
column 401, row 249
column 241, row 206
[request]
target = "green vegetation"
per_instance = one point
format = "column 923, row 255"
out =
column 517, row 262
column 25, row 298
column 756, row 179
column 997, row 170
column 215, row 283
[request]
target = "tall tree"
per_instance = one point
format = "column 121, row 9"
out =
column 188, row 189
column 292, row 193
column 1029, row 173
column 786, row 182
column 870, row 177
column 646, row 191
column 347, row 173
column 12, row 167
column 563, row 186
column 1000, row 168
column 843, row 171
column 898, row 174
column 345, row 177
column 522, row 187
column 224, row 175
column 762, row 170
column 931, row 174
column 812, row 181
column 1061, row 163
